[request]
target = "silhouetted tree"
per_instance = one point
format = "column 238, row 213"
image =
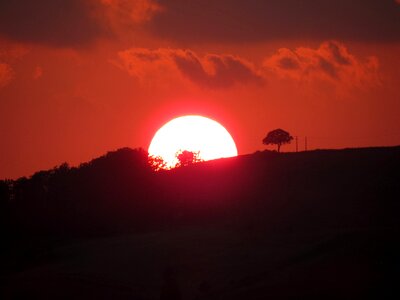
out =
column 157, row 163
column 277, row 137
column 187, row 158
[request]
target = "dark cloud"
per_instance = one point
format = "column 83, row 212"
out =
column 327, row 67
column 73, row 23
column 288, row 63
column 60, row 23
column 211, row 71
column 226, row 70
column 255, row 20
column 331, row 61
column 191, row 67
column 338, row 53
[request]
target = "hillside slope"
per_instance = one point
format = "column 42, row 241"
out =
column 320, row 224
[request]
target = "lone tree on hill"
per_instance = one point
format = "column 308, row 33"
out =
column 277, row 137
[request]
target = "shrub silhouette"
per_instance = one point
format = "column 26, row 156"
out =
column 187, row 158
column 157, row 163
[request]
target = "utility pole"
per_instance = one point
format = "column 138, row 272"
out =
column 305, row 143
column 297, row 145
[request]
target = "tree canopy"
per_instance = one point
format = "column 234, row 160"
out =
column 277, row 137
column 186, row 158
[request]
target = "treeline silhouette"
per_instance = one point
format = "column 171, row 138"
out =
column 265, row 191
column 97, row 196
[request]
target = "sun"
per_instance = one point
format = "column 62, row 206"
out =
column 192, row 133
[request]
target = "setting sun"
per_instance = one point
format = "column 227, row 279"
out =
column 195, row 134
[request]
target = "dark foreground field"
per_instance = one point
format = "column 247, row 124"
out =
column 313, row 225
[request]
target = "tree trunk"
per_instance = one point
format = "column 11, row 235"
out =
column 279, row 148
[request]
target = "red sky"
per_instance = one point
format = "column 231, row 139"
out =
column 79, row 78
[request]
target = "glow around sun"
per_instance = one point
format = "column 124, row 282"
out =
column 192, row 133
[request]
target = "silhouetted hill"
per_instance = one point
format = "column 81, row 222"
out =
column 307, row 223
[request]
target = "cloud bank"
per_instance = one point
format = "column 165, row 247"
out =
column 237, row 21
column 77, row 23
column 71, row 23
column 209, row 71
column 330, row 62
column 60, row 23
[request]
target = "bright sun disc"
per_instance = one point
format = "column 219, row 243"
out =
column 192, row 133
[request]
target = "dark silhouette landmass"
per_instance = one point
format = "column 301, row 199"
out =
column 311, row 225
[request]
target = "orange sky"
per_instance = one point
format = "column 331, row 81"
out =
column 79, row 78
